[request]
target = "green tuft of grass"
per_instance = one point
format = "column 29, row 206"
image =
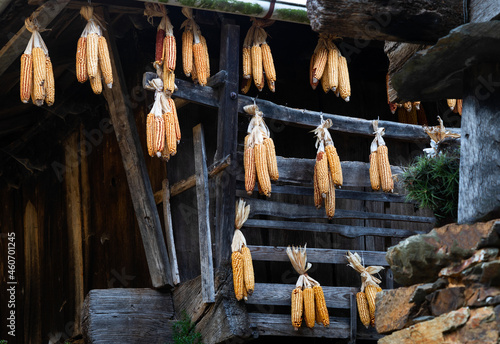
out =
column 432, row 182
column 184, row 331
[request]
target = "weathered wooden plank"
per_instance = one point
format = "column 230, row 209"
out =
column 169, row 232
column 203, row 199
column 345, row 230
column 16, row 45
column 396, row 20
column 295, row 211
column 204, row 95
column 279, row 325
column 279, row 295
column 227, row 135
column 316, row 255
column 353, row 318
column 190, row 182
column 126, row 315
column 135, row 169
column 484, row 10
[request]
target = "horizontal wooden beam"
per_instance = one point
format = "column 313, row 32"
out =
column 316, row 255
column 344, row 230
column 396, row 20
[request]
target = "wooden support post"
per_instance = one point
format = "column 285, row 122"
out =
column 202, row 196
column 227, row 135
column 127, row 136
column 169, row 232
column 479, row 189
column 353, row 319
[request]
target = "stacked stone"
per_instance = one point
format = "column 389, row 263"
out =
column 451, row 293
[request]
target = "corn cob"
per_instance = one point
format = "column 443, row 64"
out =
column 170, row 52
column 187, row 52
column 164, row 153
column 272, row 163
column 50, row 89
column 268, row 63
column 26, row 77
column 344, row 83
column 248, row 270
column 318, row 199
column 245, row 85
column 194, row 75
column 370, row 292
column 271, row 85
column 200, row 63
column 170, row 133
column 159, row 134
column 311, row 72
column 364, row 313
column 168, row 80
column 176, row 119
column 150, row 133
column 330, row 199
column 247, row 63
column 81, row 60
column 297, row 306
column 262, row 169
column 92, row 55
column 261, row 86
column 39, row 75
column 378, row 289
column 105, row 62
column 322, row 173
column 259, row 189
column 325, row 80
column 451, row 103
column 319, row 63
column 374, row 173
column 322, row 316
column 408, row 106
column 333, row 66
column 249, row 164
column 334, row 163
column 96, row 82
column 384, row 169
column 207, row 58
column 159, row 51
column 237, row 264
column 309, row 312
column 256, row 54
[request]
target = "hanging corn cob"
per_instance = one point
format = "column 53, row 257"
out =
column 37, row 78
column 92, row 54
column 308, row 300
column 260, row 156
column 327, row 169
column 257, row 58
column 241, row 258
column 162, row 125
column 382, row 159
column 195, row 57
column 369, row 287
column 451, row 103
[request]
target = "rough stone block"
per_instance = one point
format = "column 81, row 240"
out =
column 483, row 327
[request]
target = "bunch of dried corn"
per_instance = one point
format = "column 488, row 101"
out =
column 241, row 258
column 92, row 53
column 195, row 57
column 437, row 134
column 162, row 125
column 308, row 300
column 257, row 58
column 369, row 288
column 381, row 174
column 37, row 78
column 329, row 66
column 259, row 155
column 327, row 169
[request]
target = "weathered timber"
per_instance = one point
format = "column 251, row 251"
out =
column 345, row 230
column 204, row 95
column 227, row 135
column 315, row 255
column 280, row 295
column 479, row 185
column 16, row 45
column 218, row 79
column 398, row 20
column 426, row 77
column 203, row 199
column 135, row 169
column 296, row 211
column 483, row 10
column 169, row 232
column 353, row 318
column 126, row 315
column 190, row 182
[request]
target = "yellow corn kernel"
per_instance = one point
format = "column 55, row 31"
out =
column 260, row 154
column 237, row 264
column 249, row 165
column 330, row 199
column 256, row 54
column 159, row 132
column 297, row 307
column 26, row 78
column 245, row 85
column 171, row 102
column 374, row 173
column 150, row 133
column 344, row 83
column 39, row 75
column 334, row 163
column 384, row 169
column 333, row 66
column 93, row 55
column 187, row 52
column 200, row 63
column 370, row 292
column 50, row 88
column 248, row 270
column 105, row 62
column 319, row 64
column 170, row 136
column 364, row 312
column 96, row 82
column 318, row 199
column 309, row 312
column 247, row 63
column 325, row 80
column 268, row 63
column 312, row 81
column 81, row 60
column 207, row 58
column 170, row 52
column 322, row 316
column 272, row 163
column 451, row 103
column 322, row 173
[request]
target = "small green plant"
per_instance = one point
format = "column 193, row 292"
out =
column 3, row 341
column 184, row 331
column 432, row 182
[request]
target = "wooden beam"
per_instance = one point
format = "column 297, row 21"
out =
column 203, row 202
column 16, row 45
column 169, row 232
column 134, row 164
column 127, row 315
column 484, row 10
column 396, row 20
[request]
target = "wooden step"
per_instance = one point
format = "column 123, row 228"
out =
column 316, row 255
column 345, row 230
column 295, row 211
